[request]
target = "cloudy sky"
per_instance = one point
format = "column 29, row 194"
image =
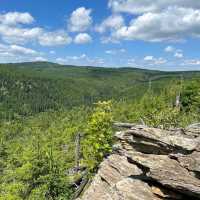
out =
column 153, row 34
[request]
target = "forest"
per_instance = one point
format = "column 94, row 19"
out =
column 45, row 107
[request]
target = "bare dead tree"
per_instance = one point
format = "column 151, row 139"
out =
column 178, row 96
column 77, row 150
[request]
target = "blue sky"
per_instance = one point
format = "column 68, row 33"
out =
column 159, row 34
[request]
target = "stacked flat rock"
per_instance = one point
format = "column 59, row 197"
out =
column 149, row 164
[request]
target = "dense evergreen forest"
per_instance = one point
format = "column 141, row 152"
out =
column 30, row 88
column 45, row 107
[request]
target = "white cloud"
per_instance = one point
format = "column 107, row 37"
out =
column 160, row 61
column 19, row 35
column 39, row 59
column 115, row 51
column 122, row 50
column 148, row 58
column 109, row 39
column 82, row 60
column 173, row 24
column 82, row 38
column 83, row 56
column 131, row 61
column 12, row 31
column 191, row 62
column 61, row 60
column 19, row 49
column 80, row 20
column 176, row 52
column 99, row 61
column 169, row 49
column 13, row 18
column 16, row 53
column 178, row 55
column 153, row 60
column 16, row 49
column 144, row 6
column 23, row 35
column 54, row 38
column 71, row 59
column 154, row 21
column 111, row 52
column 52, row 52
column 112, row 22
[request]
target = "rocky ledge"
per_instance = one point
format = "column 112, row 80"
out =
column 150, row 164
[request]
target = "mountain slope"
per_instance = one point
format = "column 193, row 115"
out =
column 28, row 88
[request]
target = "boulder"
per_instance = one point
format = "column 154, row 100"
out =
column 149, row 164
column 193, row 130
column 191, row 162
column 167, row 172
column 159, row 140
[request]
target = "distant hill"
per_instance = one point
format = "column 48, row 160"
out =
column 28, row 88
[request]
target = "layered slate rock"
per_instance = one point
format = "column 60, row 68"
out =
column 149, row 164
column 168, row 172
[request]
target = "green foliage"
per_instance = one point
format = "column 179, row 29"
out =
column 99, row 135
column 43, row 106
column 158, row 110
column 37, row 153
column 30, row 88
column 191, row 96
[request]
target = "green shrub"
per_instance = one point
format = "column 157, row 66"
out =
column 99, row 135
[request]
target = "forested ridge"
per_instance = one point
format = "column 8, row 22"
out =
column 30, row 88
column 45, row 106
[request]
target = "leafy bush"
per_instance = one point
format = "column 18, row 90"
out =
column 99, row 135
column 154, row 110
column 191, row 97
column 37, row 153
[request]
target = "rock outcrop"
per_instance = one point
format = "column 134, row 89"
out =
column 150, row 164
